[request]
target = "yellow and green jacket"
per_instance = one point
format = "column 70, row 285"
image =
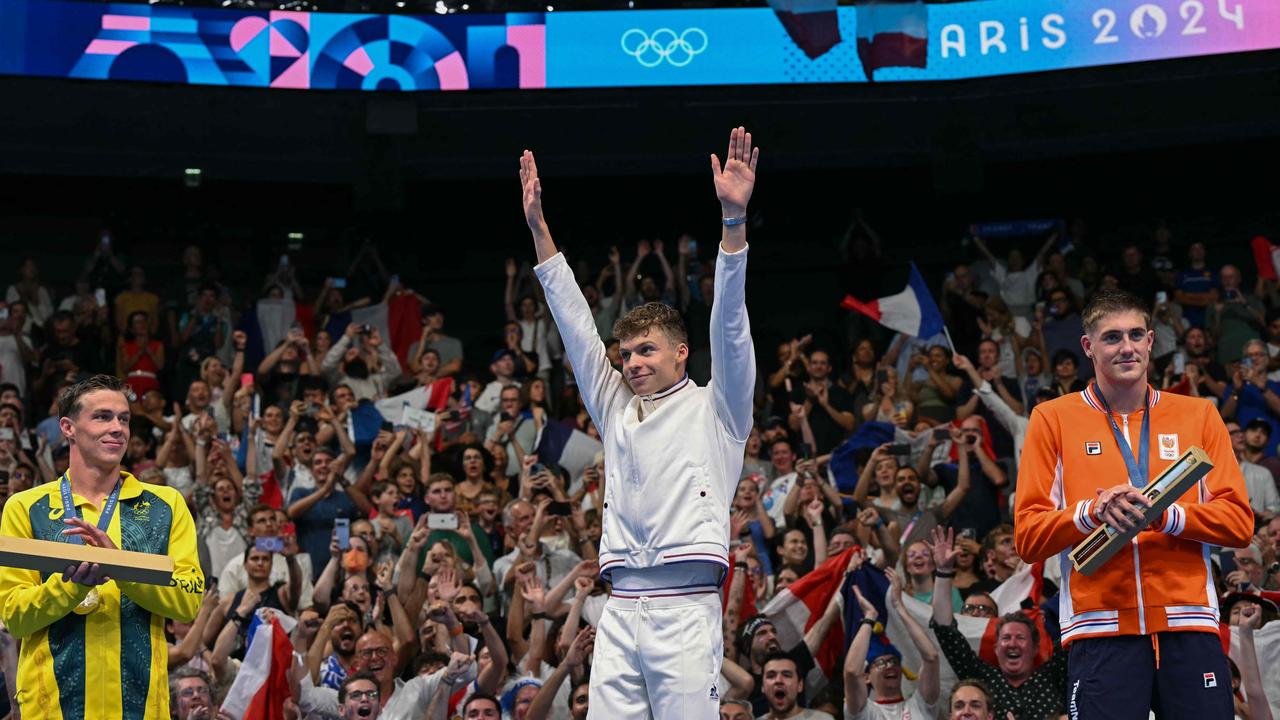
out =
column 113, row 661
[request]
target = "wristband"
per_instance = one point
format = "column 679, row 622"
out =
column 870, row 622
column 944, row 573
column 730, row 222
column 456, row 631
column 539, row 616
column 741, row 566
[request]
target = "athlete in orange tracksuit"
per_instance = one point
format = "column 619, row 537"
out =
column 1142, row 630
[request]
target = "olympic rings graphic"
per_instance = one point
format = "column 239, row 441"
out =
column 664, row 44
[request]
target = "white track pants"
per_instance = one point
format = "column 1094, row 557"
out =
column 658, row 658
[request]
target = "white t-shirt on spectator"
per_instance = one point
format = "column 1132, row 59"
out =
column 551, row 567
column 491, row 397
column 224, row 544
column 1017, row 289
column 232, row 579
column 913, row 708
column 219, row 415
column 179, row 478
column 1261, row 486
column 1007, row 364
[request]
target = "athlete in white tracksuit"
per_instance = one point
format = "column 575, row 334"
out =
column 673, row 454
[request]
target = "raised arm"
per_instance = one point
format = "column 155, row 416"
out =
column 509, row 293
column 1245, row 655
column 943, row 548
column 929, row 684
column 855, row 661
column 733, row 360
column 602, row 387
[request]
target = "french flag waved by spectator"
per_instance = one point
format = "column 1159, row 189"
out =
column 892, row 35
column 262, row 685
column 567, row 447
column 911, row 311
column 812, row 24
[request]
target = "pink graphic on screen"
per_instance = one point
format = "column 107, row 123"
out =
column 452, row 72
column 531, row 42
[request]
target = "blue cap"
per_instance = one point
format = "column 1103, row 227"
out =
column 509, row 697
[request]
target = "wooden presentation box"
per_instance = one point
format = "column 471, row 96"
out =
column 1106, row 541
column 54, row 557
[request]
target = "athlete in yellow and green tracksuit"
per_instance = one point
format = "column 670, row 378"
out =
column 111, row 662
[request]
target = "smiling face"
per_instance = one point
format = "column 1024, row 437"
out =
column 374, row 654
column 782, row 457
column 1015, row 650
column 272, row 419
column 885, row 675
column 919, row 559
column 794, row 547
column 356, row 590
column 99, row 432
column 651, row 362
column 1120, row 344
column 745, row 496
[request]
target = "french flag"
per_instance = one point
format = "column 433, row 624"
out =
column 794, row 611
column 812, row 24
column 911, row 312
column 262, row 685
column 1025, row 584
column 567, row 447
column 892, row 35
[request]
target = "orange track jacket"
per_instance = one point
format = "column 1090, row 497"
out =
column 1165, row 583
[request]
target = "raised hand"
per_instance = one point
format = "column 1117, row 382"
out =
column 535, row 593
column 813, row 513
column 532, row 192
column 458, row 668
column 511, row 267
column 943, row 548
column 581, row 647
column 1250, row 616
column 447, row 583
column 895, row 587
column 868, row 610
column 737, row 178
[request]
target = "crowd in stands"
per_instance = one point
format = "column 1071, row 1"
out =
column 430, row 519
